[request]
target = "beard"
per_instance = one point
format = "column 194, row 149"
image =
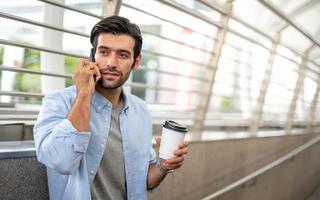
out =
column 117, row 82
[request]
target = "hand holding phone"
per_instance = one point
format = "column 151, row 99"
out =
column 92, row 52
column 87, row 74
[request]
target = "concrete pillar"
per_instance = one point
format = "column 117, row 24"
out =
column 297, row 89
column 110, row 7
column 257, row 113
column 203, row 105
column 52, row 39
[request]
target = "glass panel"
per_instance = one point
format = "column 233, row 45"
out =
column 255, row 14
column 280, row 90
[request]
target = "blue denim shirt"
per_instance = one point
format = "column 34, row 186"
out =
column 73, row 158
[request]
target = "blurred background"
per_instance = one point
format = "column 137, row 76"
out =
column 232, row 71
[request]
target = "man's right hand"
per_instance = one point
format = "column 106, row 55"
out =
column 86, row 76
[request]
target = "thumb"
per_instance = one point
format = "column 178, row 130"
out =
column 158, row 140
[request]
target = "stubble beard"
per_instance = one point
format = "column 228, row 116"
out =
column 111, row 85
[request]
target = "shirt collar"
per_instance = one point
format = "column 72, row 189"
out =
column 99, row 102
column 125, row 101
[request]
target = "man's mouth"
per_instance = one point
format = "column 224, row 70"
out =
column 110, row 75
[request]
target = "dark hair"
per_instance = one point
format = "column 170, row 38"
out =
column 117, row 25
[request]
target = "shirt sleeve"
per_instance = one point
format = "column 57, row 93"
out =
column 58, row 144
column 153, row 156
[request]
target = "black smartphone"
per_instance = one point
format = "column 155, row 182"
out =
column 92, row 52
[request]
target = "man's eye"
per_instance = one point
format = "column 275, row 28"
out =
column 124, row 56
column 102, row 52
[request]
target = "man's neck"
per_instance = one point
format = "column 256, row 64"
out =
column 113, row 95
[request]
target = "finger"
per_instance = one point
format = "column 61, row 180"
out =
column 86, row 62
column 176, row 166
column 95, row 68
column 79, row 65
column 172, row 166
column 181, row 152
column 174, row 160
column 158, row 140
column 82, row 64
column 184, row 144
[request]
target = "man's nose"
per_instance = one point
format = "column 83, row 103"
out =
column 112, row 60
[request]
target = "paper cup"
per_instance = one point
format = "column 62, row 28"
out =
column 172, row 135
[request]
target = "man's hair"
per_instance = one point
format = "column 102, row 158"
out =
column 117, row 25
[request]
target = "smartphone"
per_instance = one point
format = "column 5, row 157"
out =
column 92, row 52
column 91, row 59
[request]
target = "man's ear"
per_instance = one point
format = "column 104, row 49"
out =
column 137, row 62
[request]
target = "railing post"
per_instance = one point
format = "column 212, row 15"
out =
column 297, row 89
column 312, row 110
column 203, row 105
column 52, row 62
column 257, row 113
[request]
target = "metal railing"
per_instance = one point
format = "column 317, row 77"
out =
column 179, row 8
column 71, row 8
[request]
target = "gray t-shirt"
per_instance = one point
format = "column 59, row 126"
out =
column 110, row 180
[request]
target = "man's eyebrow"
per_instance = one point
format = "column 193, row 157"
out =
column 119, row 50
column 124, row 51
column 103, row 47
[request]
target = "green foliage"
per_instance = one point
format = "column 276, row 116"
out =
column 1, row 55
column 1, row 60
column 29, row 82
column 70, row 64
column 226, row 103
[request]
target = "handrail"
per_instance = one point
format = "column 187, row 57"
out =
column 190, row 12
column 16, row 18
column 176, row 41
column 19, row 44
column 136, row 85
column 44, row 25
column 29, row 71
column 177, row 58
column 202, row 79
column 71, row 8
column 168, row 21
column 263, row 169
column 20, row 94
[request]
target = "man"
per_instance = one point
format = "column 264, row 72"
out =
column 94, row 138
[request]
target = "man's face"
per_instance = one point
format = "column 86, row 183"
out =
column 114, row 56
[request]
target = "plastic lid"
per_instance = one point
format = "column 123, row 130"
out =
column 169, row 124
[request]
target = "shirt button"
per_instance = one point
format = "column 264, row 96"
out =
column 91, row 172
column 99, row 107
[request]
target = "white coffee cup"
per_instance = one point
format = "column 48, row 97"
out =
column 172, row 135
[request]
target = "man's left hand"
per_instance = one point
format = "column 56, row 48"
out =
column 176, row 161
